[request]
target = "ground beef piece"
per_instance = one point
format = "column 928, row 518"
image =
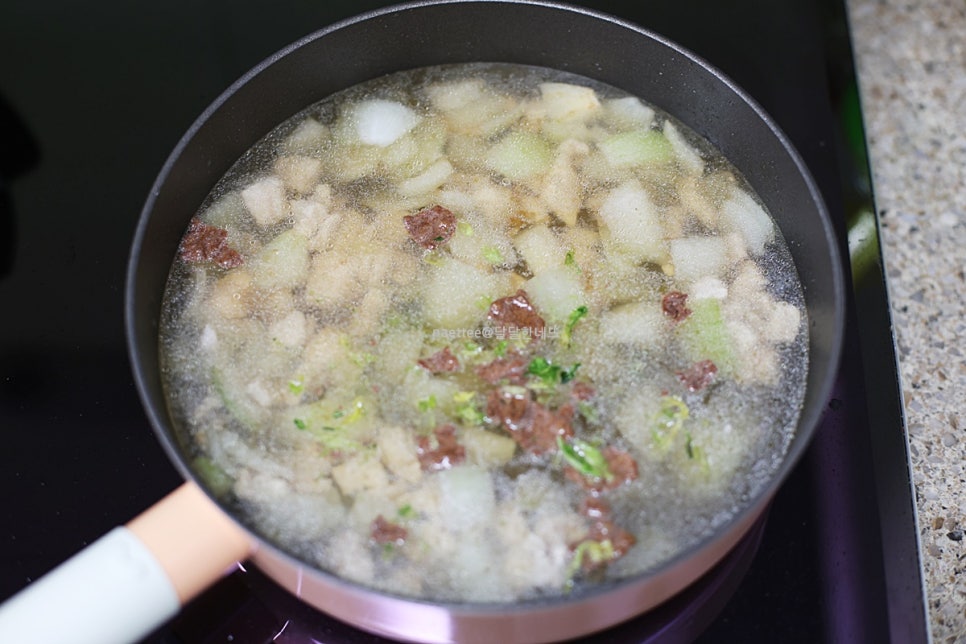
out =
column 446, row 453
column 675, row 305
column 431, row 227
column 442, row 361
column 620, row 539
column 532, row 425
column 206, row 243
column 594, row 507
column 699, row 375
column 511, row 409
column 511, row 369
column 582, row 391
column 602, row 530
column 621, row 464
column 384, row 532
column 515, row 314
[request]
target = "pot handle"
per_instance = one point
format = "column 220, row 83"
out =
column 131, row 580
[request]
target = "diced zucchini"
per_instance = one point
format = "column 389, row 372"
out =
column 231, row 296
column 428, row 180
column 687, row 156
column 555, row 293
column 633, row 223
column 705, row 336
column 637, row 148
column 561, row 188
column 380, row 122
column 362, row 472
column 283, row 263
column 638, row 323
column 630, row 111
column 457, row 295
column 566, row 101
column 486, row 448
column 299, row 173
column 541, row 248
column 265, row 200
column 398, row 452
column 467, row 497
column 519, row 156
column 214, row 476
column 310, row 137
column 694, row 258
column 741, row 213
column 291, row 330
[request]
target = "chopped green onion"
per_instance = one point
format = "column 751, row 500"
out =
column 587, row 411
column 570, row 261
column 669, row 420
column 406, row 512
column 299, row 423
column 595, row 552
column 427, row 404
column 464, row 229
column 493, row 255
column 500, row 349
column 572, row 320
column 296, row 386
column 568, row 374
column 466, row 408
column 551, row 374
column 585, row 458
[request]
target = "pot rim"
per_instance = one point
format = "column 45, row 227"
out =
column 807, row 422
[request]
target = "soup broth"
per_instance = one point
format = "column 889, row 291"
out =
column 484, row 333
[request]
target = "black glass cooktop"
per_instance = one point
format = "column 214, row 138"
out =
column 93, row 96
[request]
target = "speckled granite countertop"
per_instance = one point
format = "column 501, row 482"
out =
column 911, row 59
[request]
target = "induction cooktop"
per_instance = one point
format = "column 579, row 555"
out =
column 95, row 95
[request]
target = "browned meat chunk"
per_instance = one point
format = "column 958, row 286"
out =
column 431, row 227
column 594, row 507
column 582, row 391
column 699, row 375
column 675, row 305
column 446, row 453
column 620, row 539
column 206, row 243
column 515, row 313
column 511, row 369
column 384, row 532
column 442, row 361
column 533, row 426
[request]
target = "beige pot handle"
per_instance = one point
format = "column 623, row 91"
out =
column 131, row 580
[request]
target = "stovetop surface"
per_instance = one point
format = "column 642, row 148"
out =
column 92, row 99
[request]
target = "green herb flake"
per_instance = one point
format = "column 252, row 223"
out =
column 587, row 411
column 575, row 316
column 585, row 458
column 669, row 420
column 406, row 512
column 550, row 374
column 569, row 374
column 427, row 404
column 296, row 386
column 299, row 423
column 500, row 349
column 590, row 553
column 492, row 254
column 466, row 408
column 570, row 262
